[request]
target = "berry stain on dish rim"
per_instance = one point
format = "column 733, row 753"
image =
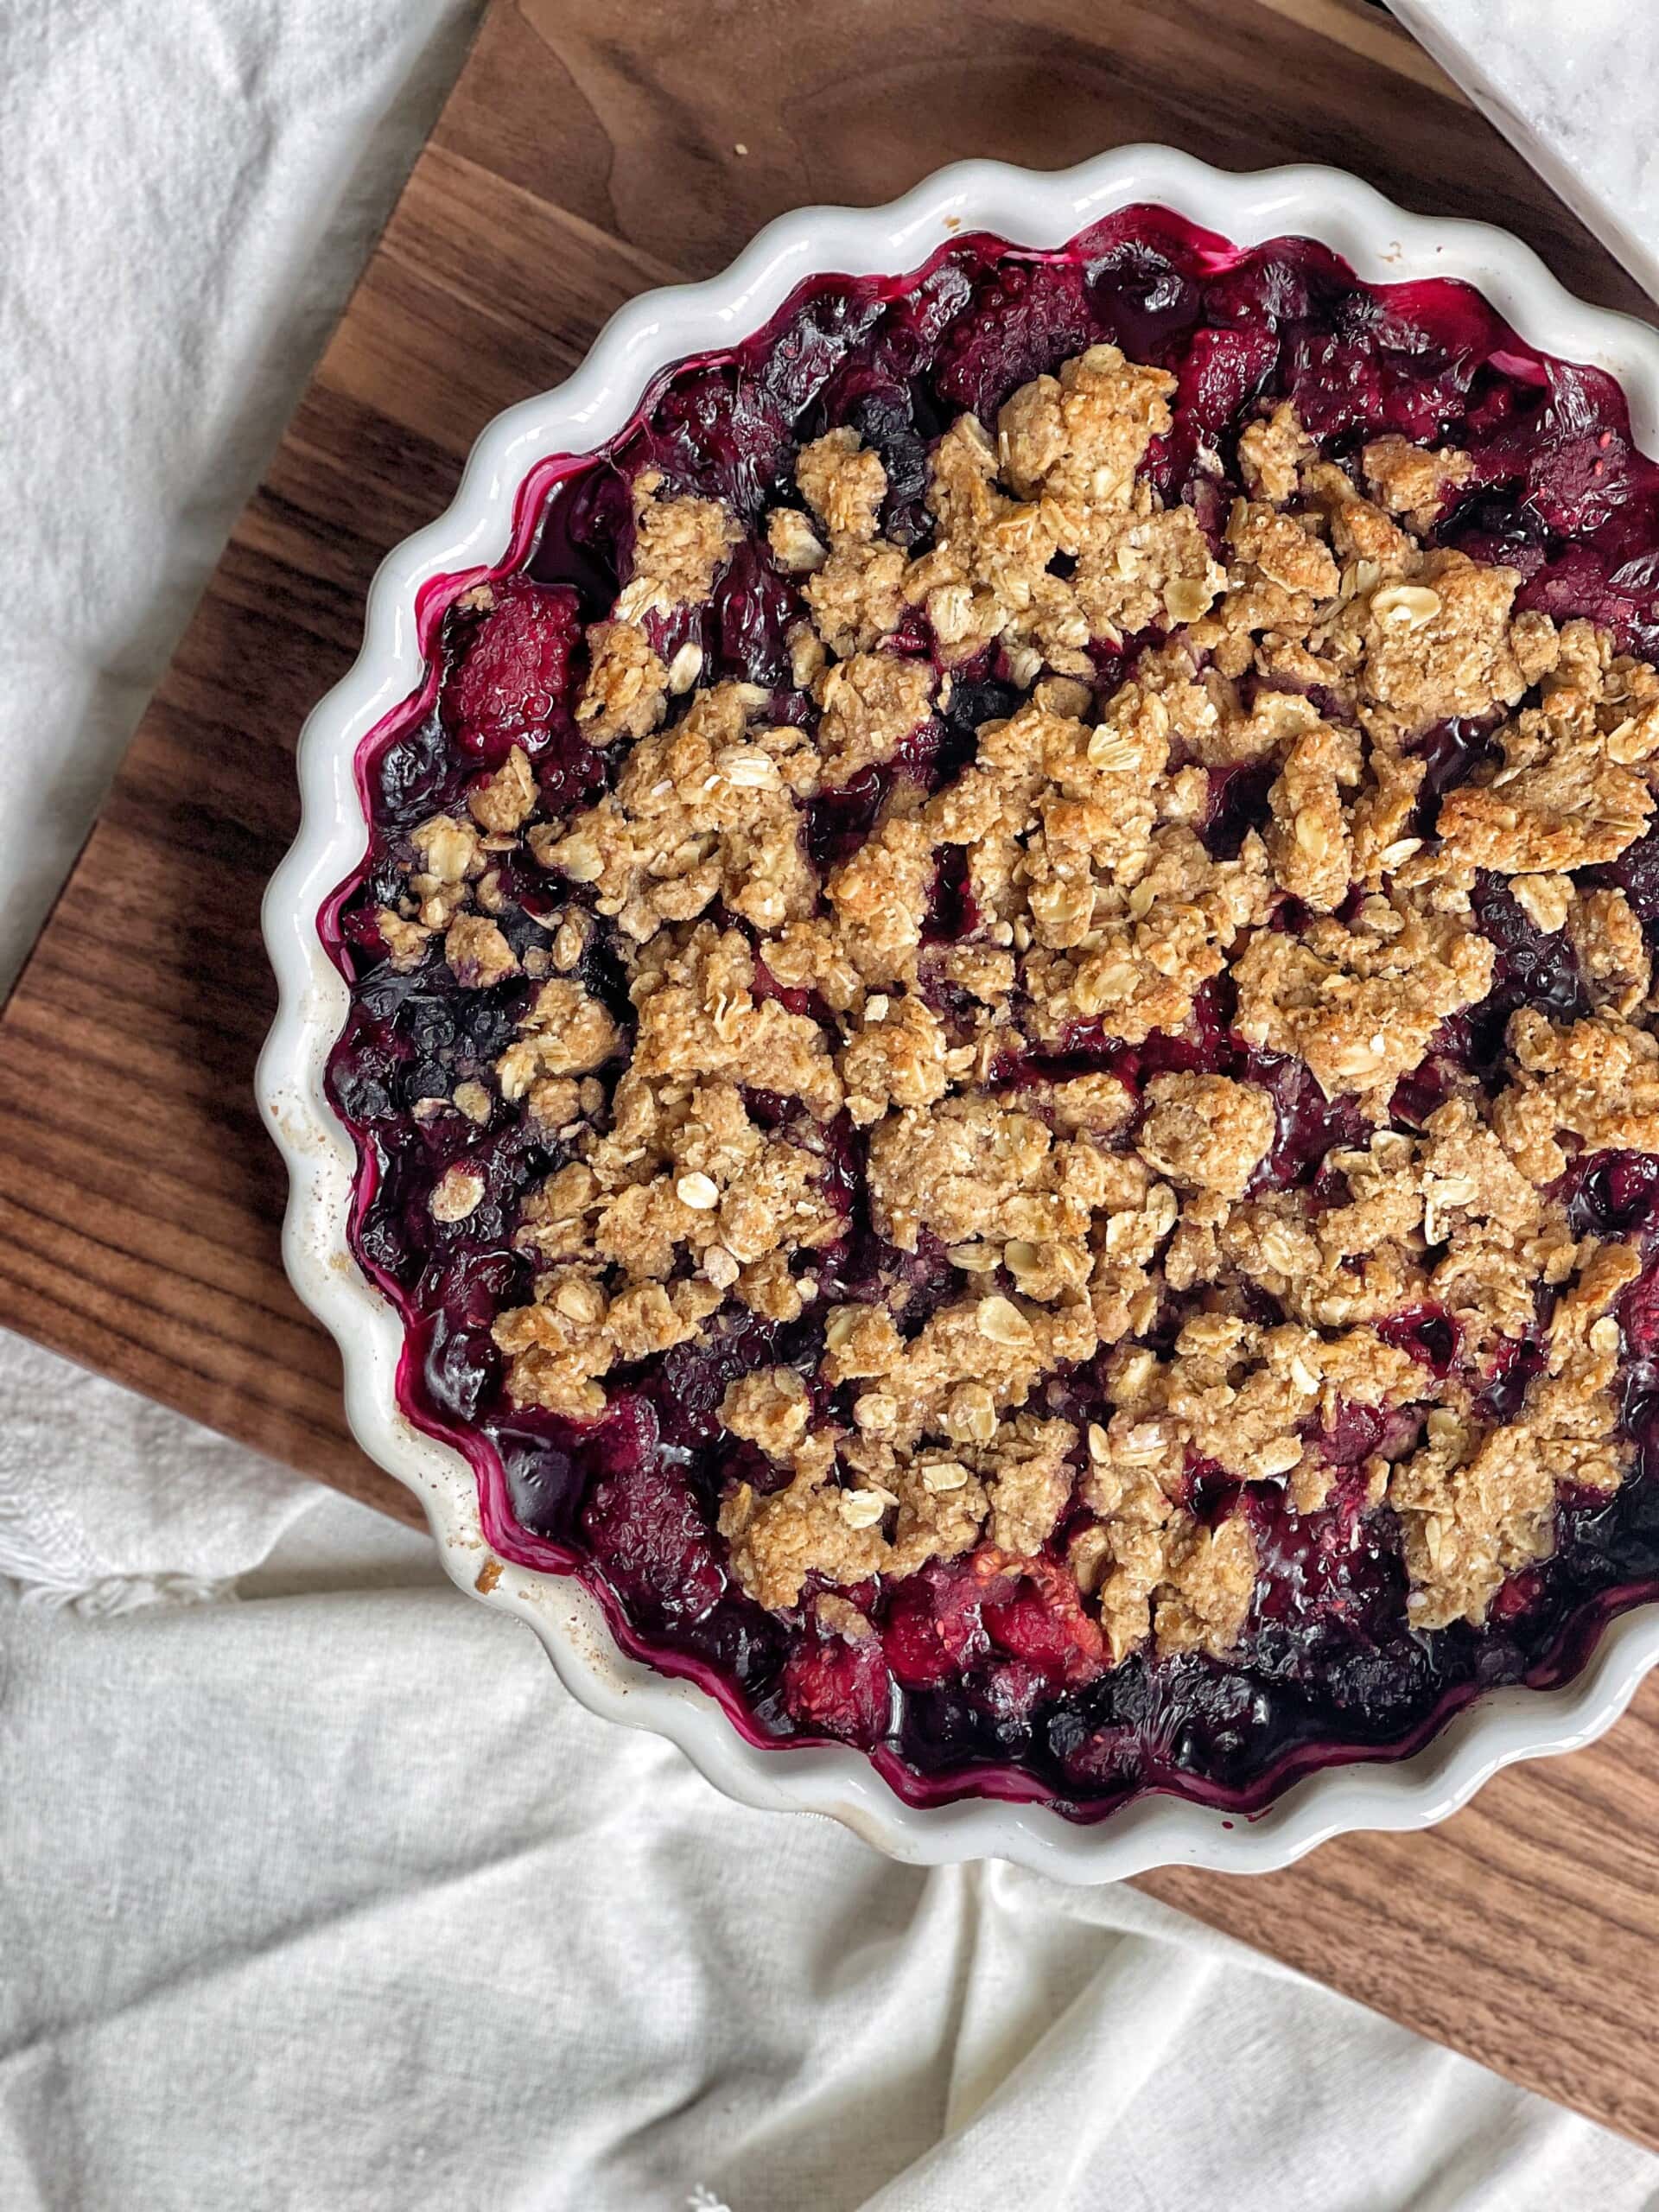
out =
column 1108, row 1608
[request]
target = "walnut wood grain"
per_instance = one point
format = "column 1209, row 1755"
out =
column 588, row 151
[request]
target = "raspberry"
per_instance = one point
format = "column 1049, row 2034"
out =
column 1582, row 469
column 721, row 433
column 512, row 674
column 1042, row 1622
column 1267, row 288
column 1518, row 1595
column 1580, row 582
column 1222, row 369
column 1640, row 1315
column 933, row 1630
column 1028, row 319
column 653, row 1542
column 834, row 1688
column 1334, row 385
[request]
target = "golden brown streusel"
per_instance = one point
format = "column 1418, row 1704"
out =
column 871, row 703
column 679, row 550
column 1279, row 549
column 856, row 599
column 1610, row 949
column 1273, row 452
column 1151, row 568
column 478, row 952
column 700, row 811
column 1478, row 1501
column 1597, row 1080
column 627, row 689
column 698, row 1016
column 1360, row 1003
column 898, row 1058
column 503, row 802
column 1205, row 1132
column 769, row 1407
column 1151, row 1569
column 1029, row 1476
column 777, row 1540
column 1412, row 481
column 1310, row 848
column 978, row 1166
column 574, row 1332
column 564, row 1032
column 1058, row 1002
column 842, row 483
column 1080, row 436
column 1570, row 793
column 1439, row 645
column 405, row 941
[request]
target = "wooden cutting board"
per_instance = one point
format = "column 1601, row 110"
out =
column 590, row 151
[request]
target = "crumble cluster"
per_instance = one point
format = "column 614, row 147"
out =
column 1139, row 1225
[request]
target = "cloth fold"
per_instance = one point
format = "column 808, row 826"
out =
column 335, row 1900
column 109, row 1502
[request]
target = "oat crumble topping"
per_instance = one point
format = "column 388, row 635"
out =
column 1044, row 1017
column 1102, row 906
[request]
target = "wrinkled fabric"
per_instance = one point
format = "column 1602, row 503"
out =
column 108, row 1501
column 333, row 1899
column 186, row 193
column 316, row 1891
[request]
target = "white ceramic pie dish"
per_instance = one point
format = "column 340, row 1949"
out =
column 1385, row 246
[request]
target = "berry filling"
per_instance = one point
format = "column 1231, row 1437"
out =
column 1000, row 1043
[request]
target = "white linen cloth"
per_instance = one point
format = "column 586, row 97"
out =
column 318, row 1892
column 333, row 1900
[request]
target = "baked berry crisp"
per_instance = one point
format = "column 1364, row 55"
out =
column 1003, row 1039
